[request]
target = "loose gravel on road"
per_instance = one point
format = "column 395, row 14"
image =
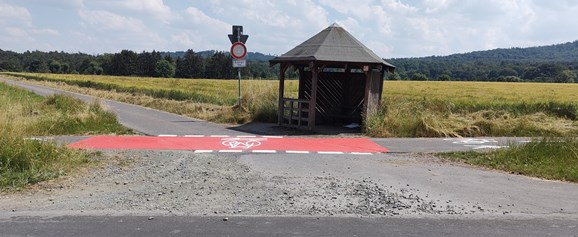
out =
column 185, row 183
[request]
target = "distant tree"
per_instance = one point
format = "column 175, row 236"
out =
column 124, row 63
column 219, row 66
column 567, row 76
column 90, row 67
column 37, row 66
column 164, row 68
column 169, row 58
column 418, row 76
column 190, row 65
column 64, row 68
column 55, row 66
column 393, row 76
column 444, row 77
column 146, row 64
column 11, row 65
column 509, row 79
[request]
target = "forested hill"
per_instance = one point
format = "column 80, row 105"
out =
column 252, row 56
column 555, row 63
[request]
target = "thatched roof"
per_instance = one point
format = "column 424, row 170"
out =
column 333, row 44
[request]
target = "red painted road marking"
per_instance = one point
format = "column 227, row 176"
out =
column 257, row 144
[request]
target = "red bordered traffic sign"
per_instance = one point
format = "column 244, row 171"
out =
column 238, row 50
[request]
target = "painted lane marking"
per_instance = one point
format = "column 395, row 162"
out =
column 230, row 151
column 361, row 153
column 204, row 151
column 166, row 135
column 330, row 152
column 264, row 151
column 194, row 136
column 297, row 152
column 221, row 143
column 272, row 136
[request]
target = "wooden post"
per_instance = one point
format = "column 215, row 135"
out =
column 367, row 70
column 283, row 67
column 374, row 89
column 313, row 100
column 381, row 77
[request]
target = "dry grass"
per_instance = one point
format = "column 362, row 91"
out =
column 410, row 109
column 24, row 160
column 483, row 92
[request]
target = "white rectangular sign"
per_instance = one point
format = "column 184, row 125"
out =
column 239, row 63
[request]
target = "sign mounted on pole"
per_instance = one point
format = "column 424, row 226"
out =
column 238, row 35
column 238, row 50
column 239, row 63
column 238, row 53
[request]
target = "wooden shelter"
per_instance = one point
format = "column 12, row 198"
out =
column 340, row 80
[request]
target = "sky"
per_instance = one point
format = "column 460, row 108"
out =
column 391, row 28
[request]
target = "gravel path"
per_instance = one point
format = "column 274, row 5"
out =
column 184, row 183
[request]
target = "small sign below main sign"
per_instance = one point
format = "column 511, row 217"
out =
column 239, row 63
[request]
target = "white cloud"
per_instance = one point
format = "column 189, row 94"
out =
column 109, row 32
column 61, row 4
column 14, row 15
column 392, row 28
column 155, row 8
column 198, row 29
column 18, row 30
column 104, row 20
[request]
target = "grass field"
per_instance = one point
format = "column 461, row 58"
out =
column 24, row 160
column 549, row 158
column 409, row 108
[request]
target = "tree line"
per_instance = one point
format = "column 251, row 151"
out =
column 188, row 64
column 555, row 63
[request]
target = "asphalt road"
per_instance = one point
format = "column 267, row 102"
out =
column 145, row 226
column 533, row 207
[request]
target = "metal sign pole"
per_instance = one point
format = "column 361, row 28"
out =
column 239, row 69
column 238, row 52
column 239, row 74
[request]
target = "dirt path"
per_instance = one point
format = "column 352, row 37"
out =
column 184, row 183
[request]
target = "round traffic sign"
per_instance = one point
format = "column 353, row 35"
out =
column 238, row 50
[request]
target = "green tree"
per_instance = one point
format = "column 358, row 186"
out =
column 124, row 64
column 190, row 65
column 37, row 66
column 55, row 66
column 164, row 68
column 566, row 76
column 444, row 77
column 418, row 76
column 393, row 76
column 219, row 66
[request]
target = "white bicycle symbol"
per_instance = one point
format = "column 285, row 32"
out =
column 244, row 143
